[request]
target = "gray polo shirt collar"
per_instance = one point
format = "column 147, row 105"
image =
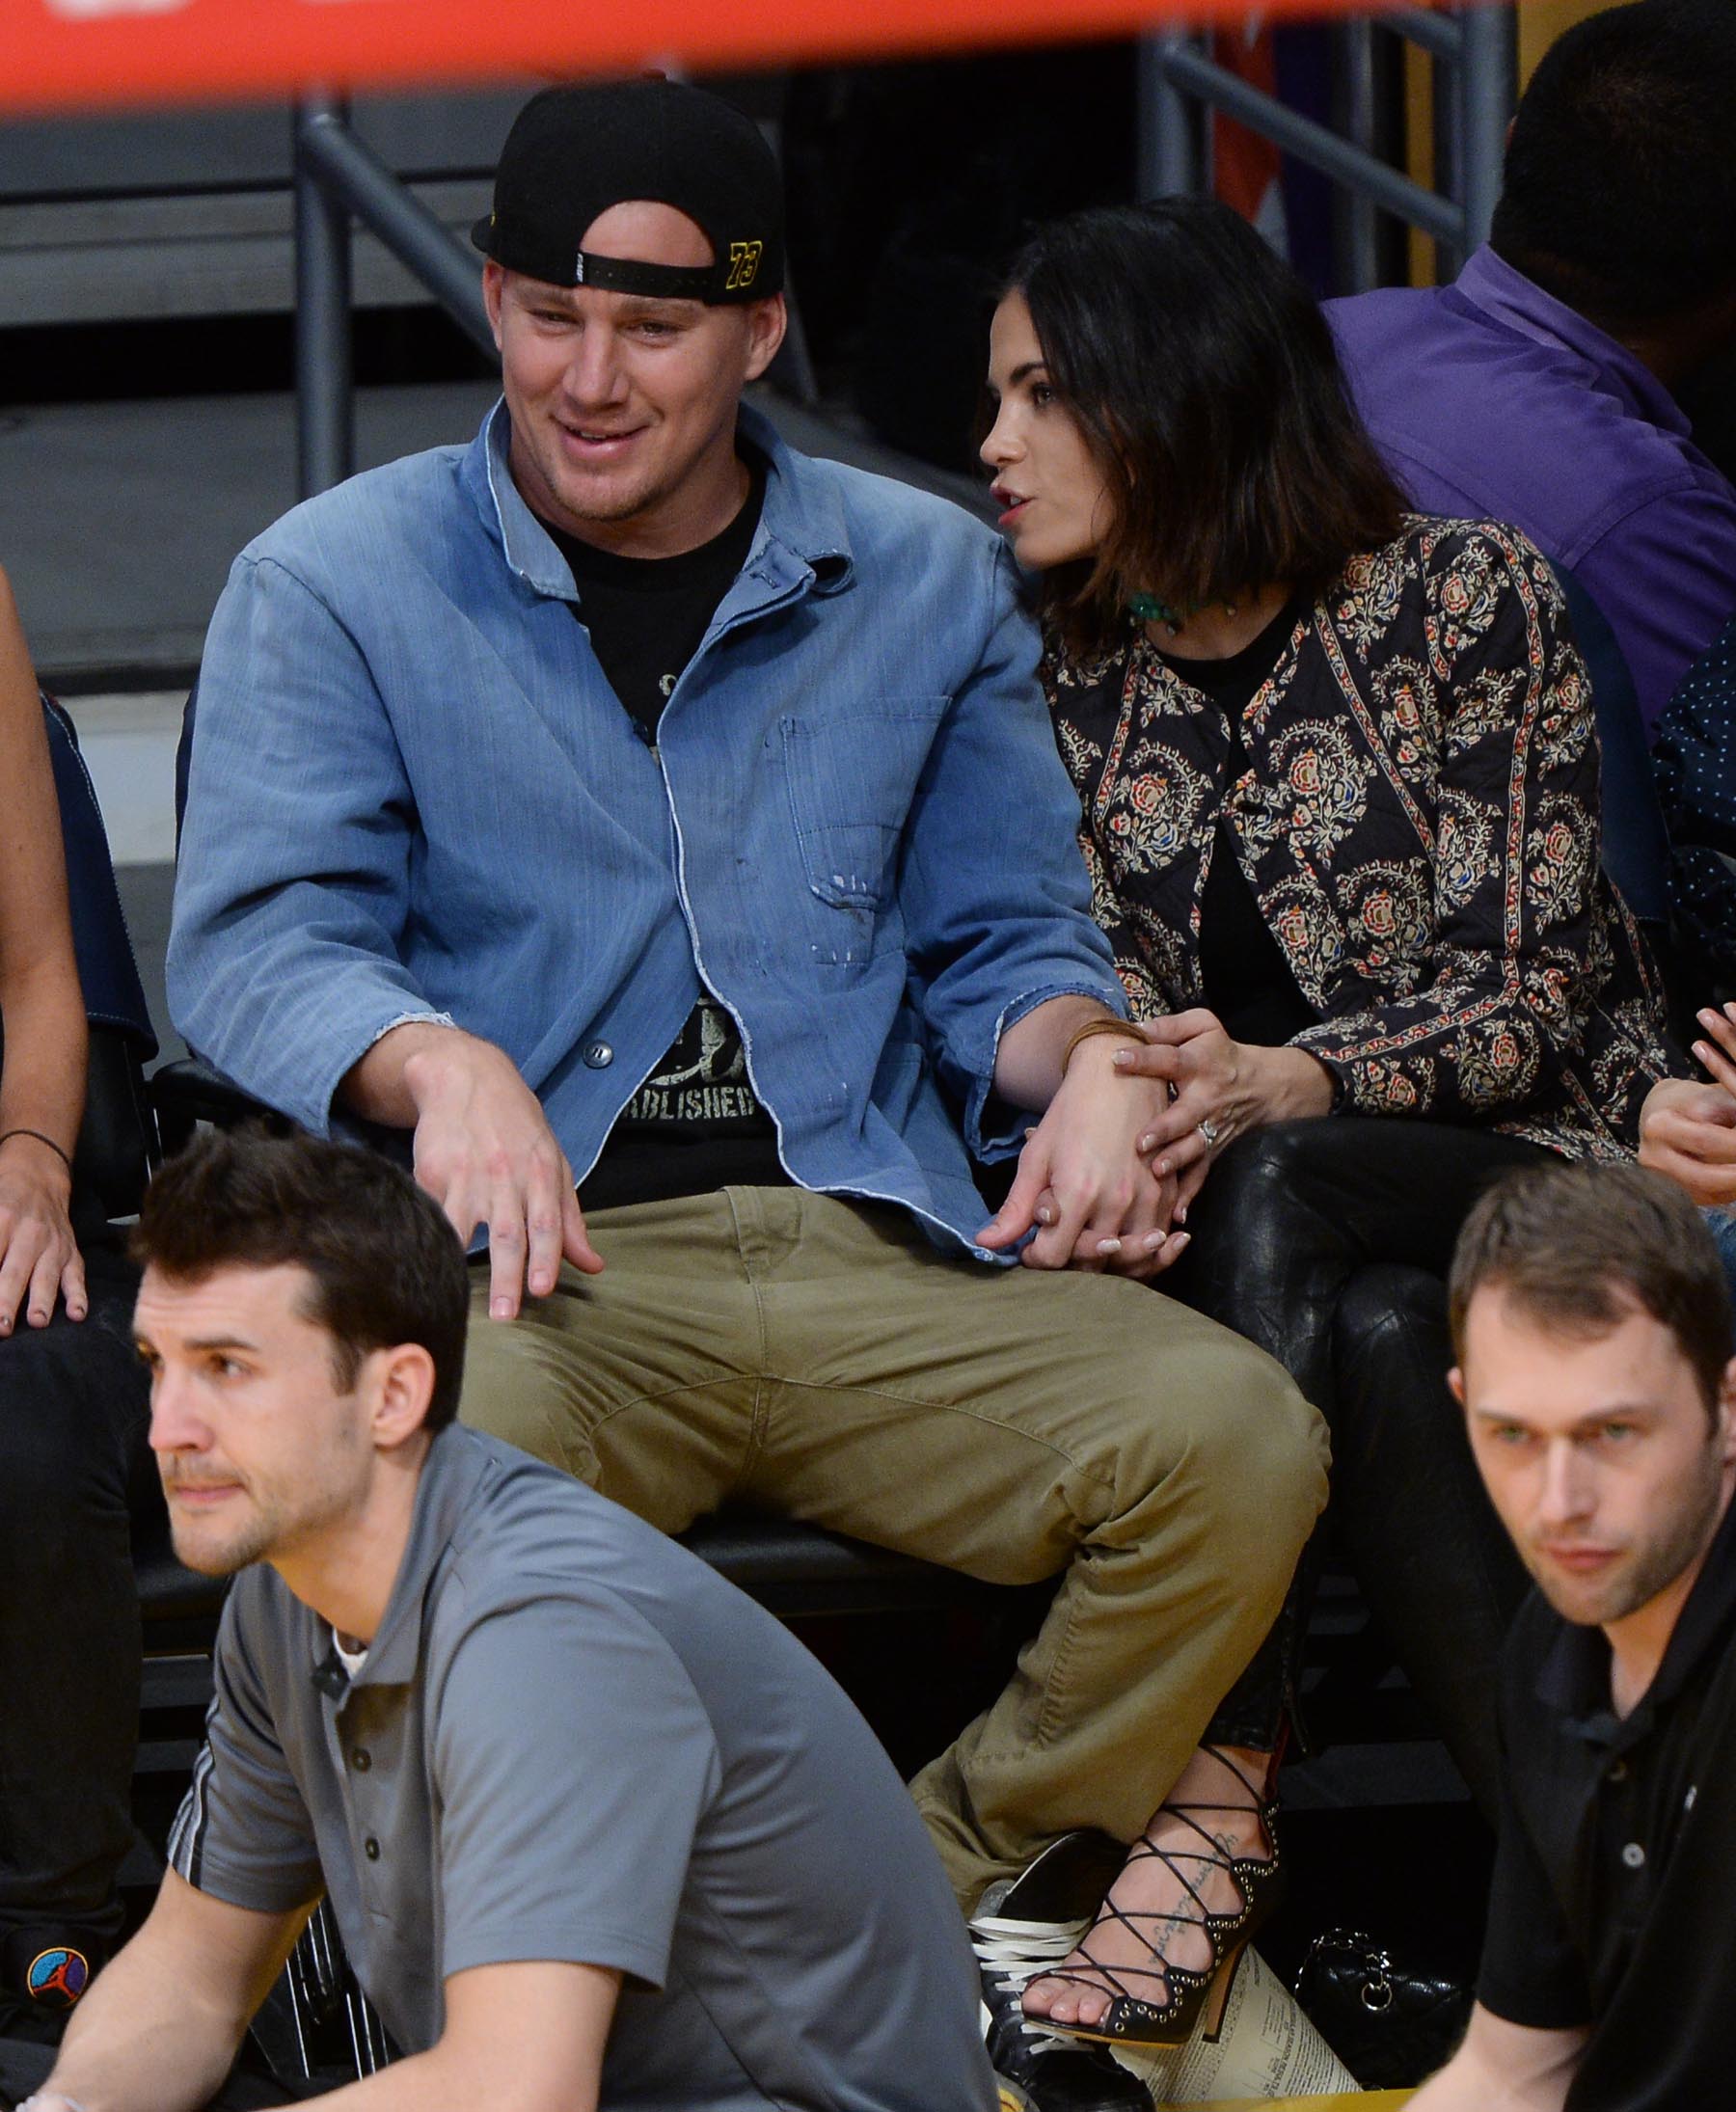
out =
column 449, row 1475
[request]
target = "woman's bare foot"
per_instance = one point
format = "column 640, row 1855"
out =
column 1153, row 1916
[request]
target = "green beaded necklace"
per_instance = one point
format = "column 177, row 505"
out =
column 1147, row 608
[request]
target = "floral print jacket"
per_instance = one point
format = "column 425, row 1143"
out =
column 1419, row 823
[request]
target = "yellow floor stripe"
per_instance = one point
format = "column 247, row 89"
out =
column 1361, row 2101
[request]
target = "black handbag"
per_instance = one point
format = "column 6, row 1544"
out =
column 1390, row 2024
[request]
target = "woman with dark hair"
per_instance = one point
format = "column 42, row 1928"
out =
column 1339, row 785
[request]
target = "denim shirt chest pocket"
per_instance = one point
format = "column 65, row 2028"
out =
column 852, row 778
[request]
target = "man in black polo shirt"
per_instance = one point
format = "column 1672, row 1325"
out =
column 1593, row 1333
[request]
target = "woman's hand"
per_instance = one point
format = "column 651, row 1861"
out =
column 38, row 1256
column 1081, row 1183
column 1717, row 1052
column 1687, row 1129
column 1220, row 1090
column 42, row 1086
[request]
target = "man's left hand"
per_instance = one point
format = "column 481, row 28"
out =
column 1081, row 1183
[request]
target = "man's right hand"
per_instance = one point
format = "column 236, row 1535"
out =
column 483, row 1151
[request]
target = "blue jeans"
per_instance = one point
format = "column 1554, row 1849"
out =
column 1721, row 1224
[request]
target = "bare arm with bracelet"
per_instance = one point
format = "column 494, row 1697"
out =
column 41, row 1081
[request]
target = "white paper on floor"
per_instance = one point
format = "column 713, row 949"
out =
column 1263, row 2047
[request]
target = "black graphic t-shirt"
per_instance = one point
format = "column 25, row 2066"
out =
column 697, row 1123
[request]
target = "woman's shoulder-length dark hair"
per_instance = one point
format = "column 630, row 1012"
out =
column 1205, row 380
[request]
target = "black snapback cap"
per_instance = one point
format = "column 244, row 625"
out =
column 573, row 153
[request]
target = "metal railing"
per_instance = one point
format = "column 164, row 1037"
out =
column 1474, row 57
column 338, row 181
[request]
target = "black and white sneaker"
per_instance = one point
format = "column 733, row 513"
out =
column 1024, row 1927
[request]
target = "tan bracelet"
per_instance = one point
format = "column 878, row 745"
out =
column 1104, row 1025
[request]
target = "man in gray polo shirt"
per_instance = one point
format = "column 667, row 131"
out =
column 595, row 1829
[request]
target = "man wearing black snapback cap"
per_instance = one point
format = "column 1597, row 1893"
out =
column 574, row 154
column 630, row 806
column 684, row 202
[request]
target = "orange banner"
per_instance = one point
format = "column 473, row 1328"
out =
column 56, row 53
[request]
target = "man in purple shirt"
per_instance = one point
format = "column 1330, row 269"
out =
column 1537, row 388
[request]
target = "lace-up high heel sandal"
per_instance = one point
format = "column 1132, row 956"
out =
column 1160, row 2004
column 1022, row 1929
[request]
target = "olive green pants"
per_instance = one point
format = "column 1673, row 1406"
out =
column 820, row 1359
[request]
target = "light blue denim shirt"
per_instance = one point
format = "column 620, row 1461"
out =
column 414, row 795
